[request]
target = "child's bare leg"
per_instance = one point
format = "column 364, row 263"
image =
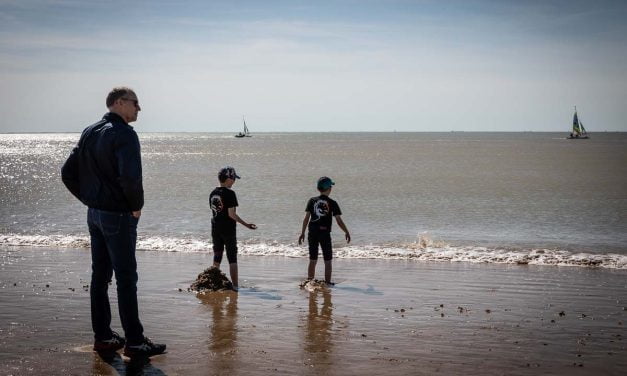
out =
column 233, row 271
column 311, row 271
column 216, row 264
column 327, row 271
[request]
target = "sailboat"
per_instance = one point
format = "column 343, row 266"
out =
column 246, row 132
column 578, row 132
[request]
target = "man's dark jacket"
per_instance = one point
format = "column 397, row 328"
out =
column 104, row 170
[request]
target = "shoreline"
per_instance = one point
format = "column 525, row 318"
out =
column 383, row 316
column 421, row 251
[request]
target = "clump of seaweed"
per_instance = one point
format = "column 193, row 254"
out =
column 313, row 284
column 212, row 279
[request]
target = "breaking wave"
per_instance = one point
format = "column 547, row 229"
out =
column 422, row 250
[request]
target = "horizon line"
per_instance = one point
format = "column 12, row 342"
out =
column 274, row 132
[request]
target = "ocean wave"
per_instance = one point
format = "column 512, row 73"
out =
column 423, row 250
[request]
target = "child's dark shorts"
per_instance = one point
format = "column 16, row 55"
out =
column 324, row 239
column 222, row 240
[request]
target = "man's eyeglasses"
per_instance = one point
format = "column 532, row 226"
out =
column 135, row 101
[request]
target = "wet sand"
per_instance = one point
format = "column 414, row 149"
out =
column 382, row 317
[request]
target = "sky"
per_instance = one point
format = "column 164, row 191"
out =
column 316, row 66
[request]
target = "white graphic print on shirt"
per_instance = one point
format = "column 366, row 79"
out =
column 216, row 204
column 321, row 209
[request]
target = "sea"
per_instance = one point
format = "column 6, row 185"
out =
column 515, row 198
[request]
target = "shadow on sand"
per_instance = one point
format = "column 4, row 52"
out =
column 370, row 290
column 130, row 367
column 256, row 292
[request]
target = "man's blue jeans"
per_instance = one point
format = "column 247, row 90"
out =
column 113, row 240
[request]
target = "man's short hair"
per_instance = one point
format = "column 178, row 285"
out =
column 117, row 93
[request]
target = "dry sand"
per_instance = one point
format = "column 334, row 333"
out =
column 382, row 317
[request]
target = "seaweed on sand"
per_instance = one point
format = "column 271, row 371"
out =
column 313, row 284
column 211, row 279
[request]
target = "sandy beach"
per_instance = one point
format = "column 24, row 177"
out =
column 382, row 317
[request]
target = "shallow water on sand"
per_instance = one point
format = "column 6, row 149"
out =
column 394, row 316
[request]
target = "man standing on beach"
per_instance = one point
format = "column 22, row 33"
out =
column 104, row 172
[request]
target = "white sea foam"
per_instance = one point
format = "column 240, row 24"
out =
column 54, row 241
column 423, row 250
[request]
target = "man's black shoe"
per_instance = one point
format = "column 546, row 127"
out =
column 110, row 345
column 144, row 349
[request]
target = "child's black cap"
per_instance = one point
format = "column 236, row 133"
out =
column 227, row 172
column 325, row 183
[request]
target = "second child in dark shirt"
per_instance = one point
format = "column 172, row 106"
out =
column 223, row 202
column 318, row 217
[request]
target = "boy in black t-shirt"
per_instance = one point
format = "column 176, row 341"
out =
column 318, row 215
column 223, row 202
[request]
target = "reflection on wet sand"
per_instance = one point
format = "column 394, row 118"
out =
column 223, row 335
column 318, row 326
column 130, row 367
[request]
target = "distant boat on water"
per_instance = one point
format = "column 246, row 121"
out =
column 578, row 132
column 245, row 133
